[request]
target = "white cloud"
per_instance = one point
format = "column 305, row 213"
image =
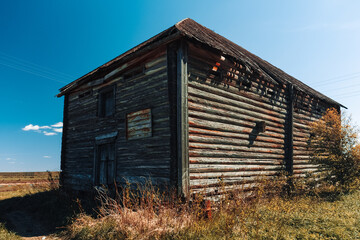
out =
column 10, row 160
column 49, row 133
column 57, row 125
column 60, row 130
column 54, row 129
column 31, row 127
column 34, row 127
column 46, row 156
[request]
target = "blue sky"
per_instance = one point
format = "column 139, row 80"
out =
column 47, row 44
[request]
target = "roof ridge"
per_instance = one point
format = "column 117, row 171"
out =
column 191, row 29
column 195, row 30
column 180, row 22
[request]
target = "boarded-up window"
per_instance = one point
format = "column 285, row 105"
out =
column 106, row 103
column 139, row 124
column 106, row 164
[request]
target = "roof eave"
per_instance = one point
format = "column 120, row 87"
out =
column 187, row 27
column 166, row 36
column 181, row 29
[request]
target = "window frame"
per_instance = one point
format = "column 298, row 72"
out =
column 101, row 106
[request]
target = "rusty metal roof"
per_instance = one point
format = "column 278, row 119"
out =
column 193, row 30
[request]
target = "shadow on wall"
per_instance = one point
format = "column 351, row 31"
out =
column 257, row 129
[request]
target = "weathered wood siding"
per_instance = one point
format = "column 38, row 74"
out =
column 238, row 122
column 139, row 124
column 139, row 159
column 78, row 155
column 306, row 109
column 139, row 84
column 226, row 102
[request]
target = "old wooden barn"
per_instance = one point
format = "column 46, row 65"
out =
column 186, row 108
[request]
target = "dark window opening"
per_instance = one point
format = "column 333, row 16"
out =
column 106, row 164
column 106, row 103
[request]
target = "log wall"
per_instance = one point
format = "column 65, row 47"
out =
column 139, row 84
column 227, row 101
column 306, row 110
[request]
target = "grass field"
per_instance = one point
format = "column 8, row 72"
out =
column 24, row 177
column 16, row 184
column 329, row 215
column 52, row 213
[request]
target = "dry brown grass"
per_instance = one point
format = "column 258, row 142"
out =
column 146, row 213
column 135, row 214
column 17, row 186
column 26, row 177
column 268, row 213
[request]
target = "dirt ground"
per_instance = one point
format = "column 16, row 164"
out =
column 26, row 226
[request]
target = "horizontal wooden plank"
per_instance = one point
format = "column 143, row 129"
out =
column 239, row 154
column 237, row 113
column 219, row 175
column 231, row 167
column 203, row 126
column 217, row 146
column 235, row 161
column 134, row 116
column 238, row 107
column 255, row 101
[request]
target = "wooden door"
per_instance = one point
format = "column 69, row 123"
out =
column 106, row 169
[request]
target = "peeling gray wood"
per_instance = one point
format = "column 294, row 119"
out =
column 86, row 130
column 224, row 140
column 182, row 120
